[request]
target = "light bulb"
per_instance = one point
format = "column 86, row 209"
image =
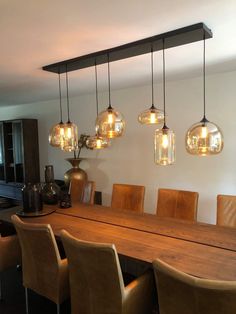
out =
column 165, row 141
column 110, row 119
column 204, row 132
column 152, row 117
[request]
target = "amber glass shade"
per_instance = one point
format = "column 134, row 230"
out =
column 70, row 138
column 56, row 135
column 97, row 142
column 110, row 123
column 204, row 138
column 151, row 116
column 164, row 143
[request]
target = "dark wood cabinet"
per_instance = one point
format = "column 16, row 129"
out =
column 19, row 156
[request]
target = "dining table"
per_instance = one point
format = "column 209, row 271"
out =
column 200, row 249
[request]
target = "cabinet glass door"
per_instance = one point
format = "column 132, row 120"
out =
column 2, row 162
column 18, row 150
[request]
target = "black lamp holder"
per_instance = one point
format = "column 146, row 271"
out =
column 178, row 37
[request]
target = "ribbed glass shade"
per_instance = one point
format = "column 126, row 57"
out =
column 110, row 123
column 151, row 116
column 204, row 138
column 164, row 144
column 56, row 135
column 70, row 139
column 97, row 142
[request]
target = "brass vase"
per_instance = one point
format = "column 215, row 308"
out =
column 75, row 172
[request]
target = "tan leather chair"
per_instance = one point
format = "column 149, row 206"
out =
column 180, row 293
column 10, row 255
column 82, row 191
column 96, row 281
column 43, row 270
column 130, row 197
column 226, row 210
column 177, row 204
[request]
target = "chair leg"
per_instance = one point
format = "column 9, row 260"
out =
column 26, row 301
column 58, row 308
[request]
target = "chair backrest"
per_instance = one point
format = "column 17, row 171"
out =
column 10, row 252
column 177, row 204
column 82, row 191
column 181, row 293
column 95, row 276
column 226, row 210
column 130, row 197
column 40, row 256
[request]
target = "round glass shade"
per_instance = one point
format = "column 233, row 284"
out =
column 97, row 142
column 70, row 138
column 204, row 138
column 151, row 116
column 164, row 146
column 56, row 135
column 110, row 123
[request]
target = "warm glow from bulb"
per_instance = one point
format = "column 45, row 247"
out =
column 62, row 132
column 204, row 132
column 152, row 117
column 110, row 119
column 165, row 141
column 99, row 143
column 69, row 133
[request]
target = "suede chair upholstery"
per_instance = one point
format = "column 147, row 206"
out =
column 177, row 204
column 129, row 197
column 226, row 210
column 180, row 293
column 96, row 281
column 82, row 191
column 43, row 269
column 10, row 254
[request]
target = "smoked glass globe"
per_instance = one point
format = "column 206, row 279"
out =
column 56, row 135
column 97, row 142
column 151, row 116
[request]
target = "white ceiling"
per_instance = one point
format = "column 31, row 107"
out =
column 34, row 33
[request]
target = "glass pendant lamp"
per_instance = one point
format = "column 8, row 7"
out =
column 70, row 138
column 56, row 133
column 152, row 115
column 97, row 141
column 204, row 138
column 110, row 123
column 164, row 140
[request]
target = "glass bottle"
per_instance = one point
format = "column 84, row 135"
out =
column 51, row 191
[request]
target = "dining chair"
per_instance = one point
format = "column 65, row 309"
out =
column 226, row 210
column 177, row 204
column 43, row 269
column 10, row 255
column 129, row 197
column 96, row 281
column 180, row 293
column 82, row 191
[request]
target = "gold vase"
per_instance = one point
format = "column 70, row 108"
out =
column 75, row 172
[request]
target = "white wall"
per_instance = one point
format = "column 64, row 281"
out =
column 130, row 159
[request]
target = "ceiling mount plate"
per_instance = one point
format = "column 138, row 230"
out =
column 174, row 38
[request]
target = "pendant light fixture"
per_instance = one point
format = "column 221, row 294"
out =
column 57, row 131
column 152, row 115
column 70, row 138
column 204, row 138
column 97, row 141
column 164, row 141
column 110, row 123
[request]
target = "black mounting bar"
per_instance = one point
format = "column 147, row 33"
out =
column 171, row 39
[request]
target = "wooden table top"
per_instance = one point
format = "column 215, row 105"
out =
column 202, row 260
column 210, row 235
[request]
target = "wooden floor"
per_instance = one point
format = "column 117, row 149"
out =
column 14, row 297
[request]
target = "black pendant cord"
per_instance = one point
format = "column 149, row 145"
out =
column 204, row 79
column 96, row 85
column 164, row 83
column 59, row 82
column 67, row 93
column 109, row 81
column 152, row 107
